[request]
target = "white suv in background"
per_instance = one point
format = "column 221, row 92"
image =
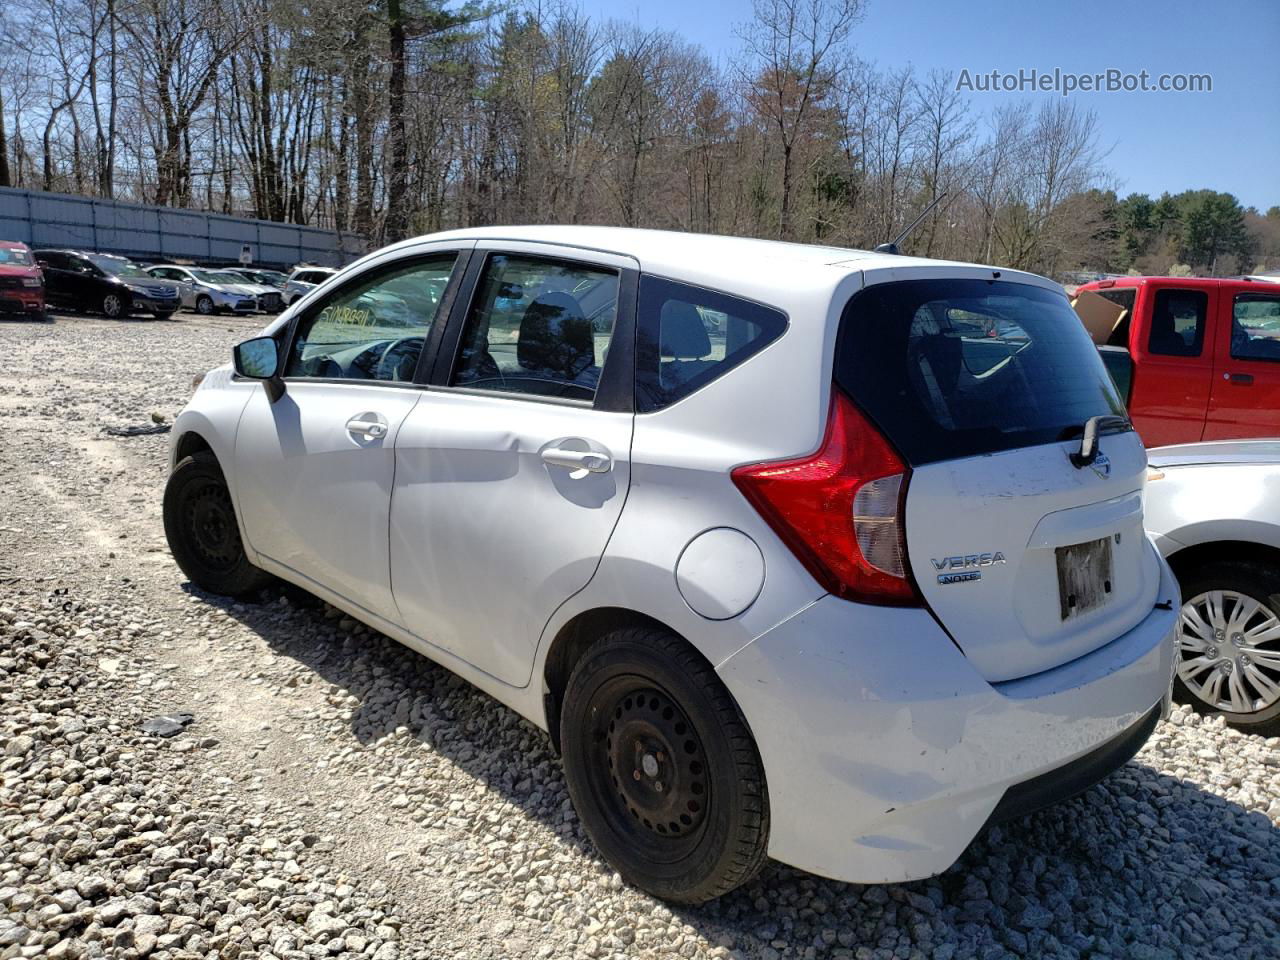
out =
column 826, row 555
column 303, row 280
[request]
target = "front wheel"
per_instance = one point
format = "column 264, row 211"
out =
column 200, row 525
column 1229, row 644
column 114, row 306
column 662, row 769
column 204, row 305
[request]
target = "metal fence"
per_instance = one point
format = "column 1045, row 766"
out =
column 153, row 234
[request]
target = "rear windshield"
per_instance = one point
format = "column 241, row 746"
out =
column 956, row 368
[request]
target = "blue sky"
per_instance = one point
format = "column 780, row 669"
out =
column 1228, row 139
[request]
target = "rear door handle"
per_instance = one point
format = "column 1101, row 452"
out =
column 587, row 460
column 1243, row 379
column 367, row 426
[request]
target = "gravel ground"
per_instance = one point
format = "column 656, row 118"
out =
column 338, row 796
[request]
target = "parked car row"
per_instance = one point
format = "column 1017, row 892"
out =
column 116, row 287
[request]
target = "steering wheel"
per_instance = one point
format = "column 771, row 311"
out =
column 399, row 360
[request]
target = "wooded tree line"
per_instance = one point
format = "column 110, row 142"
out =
column 388, row 118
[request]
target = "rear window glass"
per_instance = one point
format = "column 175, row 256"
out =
column 957, row 368
column 689, row 336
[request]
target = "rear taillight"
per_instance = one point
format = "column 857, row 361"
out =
column 840, row 509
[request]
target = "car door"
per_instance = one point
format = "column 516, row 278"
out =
column 314, row 469
column 1246, row 383
column 512, row 470
column 1173, row 364
column 57, row 277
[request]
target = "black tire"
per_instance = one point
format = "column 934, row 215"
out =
column 641, row 707
column 200, row 525
column 1259, row 582
column 114, row 306
column 204, row 305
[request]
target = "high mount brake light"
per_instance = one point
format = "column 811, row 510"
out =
column 839, row 510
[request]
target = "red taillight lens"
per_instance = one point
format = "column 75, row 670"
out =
column 839, row 510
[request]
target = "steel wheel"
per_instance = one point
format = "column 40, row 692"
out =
column 200, row 525
column 1229, row 651
column 211, row 525
column 651, row 773
column 661, row 768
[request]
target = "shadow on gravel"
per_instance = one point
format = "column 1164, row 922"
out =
column 1143, row 865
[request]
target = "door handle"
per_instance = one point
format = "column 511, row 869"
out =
column 587, row 460
column 1244, row 379
column 367, row 426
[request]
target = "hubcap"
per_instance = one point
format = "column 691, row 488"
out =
column 1229, row 651
column 211, row 523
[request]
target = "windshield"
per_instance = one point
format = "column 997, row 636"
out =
column 957, row 368
column 119, row 268
column 217, row 276
column 10, row 255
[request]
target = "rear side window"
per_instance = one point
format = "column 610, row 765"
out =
column 1255, row 327
column 1177, row 323
column 689, row 336
column 957, row 368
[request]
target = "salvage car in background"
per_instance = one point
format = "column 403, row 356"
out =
column 208, row 291
column 846, row 619
column 1213, row 509
column 1197, row 358
column 260, row 275
column 21, row 282
column 101, row 283
column 303, row 280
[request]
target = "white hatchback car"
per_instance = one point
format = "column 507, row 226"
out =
column 813, row 553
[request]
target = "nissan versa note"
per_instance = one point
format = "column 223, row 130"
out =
column 829, row 556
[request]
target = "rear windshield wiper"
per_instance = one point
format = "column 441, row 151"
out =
column 1088, row 453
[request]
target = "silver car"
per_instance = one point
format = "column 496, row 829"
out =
column 208, row 291
column 303, row 280
column 1213, row 510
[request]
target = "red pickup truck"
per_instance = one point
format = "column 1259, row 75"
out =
column 1196, row 358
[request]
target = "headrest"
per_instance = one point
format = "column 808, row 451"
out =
column 555, row 338
column 683, row 335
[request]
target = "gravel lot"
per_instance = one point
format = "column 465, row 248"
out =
column 338, row 796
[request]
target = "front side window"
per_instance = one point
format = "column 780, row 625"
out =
column 373, row 329
column 1177, row 323
column 1255, row 327
column 539, row 327
column 689, row 336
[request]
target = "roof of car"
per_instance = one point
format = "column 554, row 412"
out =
column 13, row 245
column 669, row 251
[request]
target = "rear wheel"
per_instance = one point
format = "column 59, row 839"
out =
column 662, row 768
column 114, row 306
column 200, row 525
column 1229, row 643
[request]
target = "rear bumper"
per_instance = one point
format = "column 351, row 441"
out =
column 886, row 752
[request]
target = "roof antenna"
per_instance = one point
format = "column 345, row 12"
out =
column 893, row 247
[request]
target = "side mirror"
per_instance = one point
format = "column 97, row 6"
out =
column 259, row 359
